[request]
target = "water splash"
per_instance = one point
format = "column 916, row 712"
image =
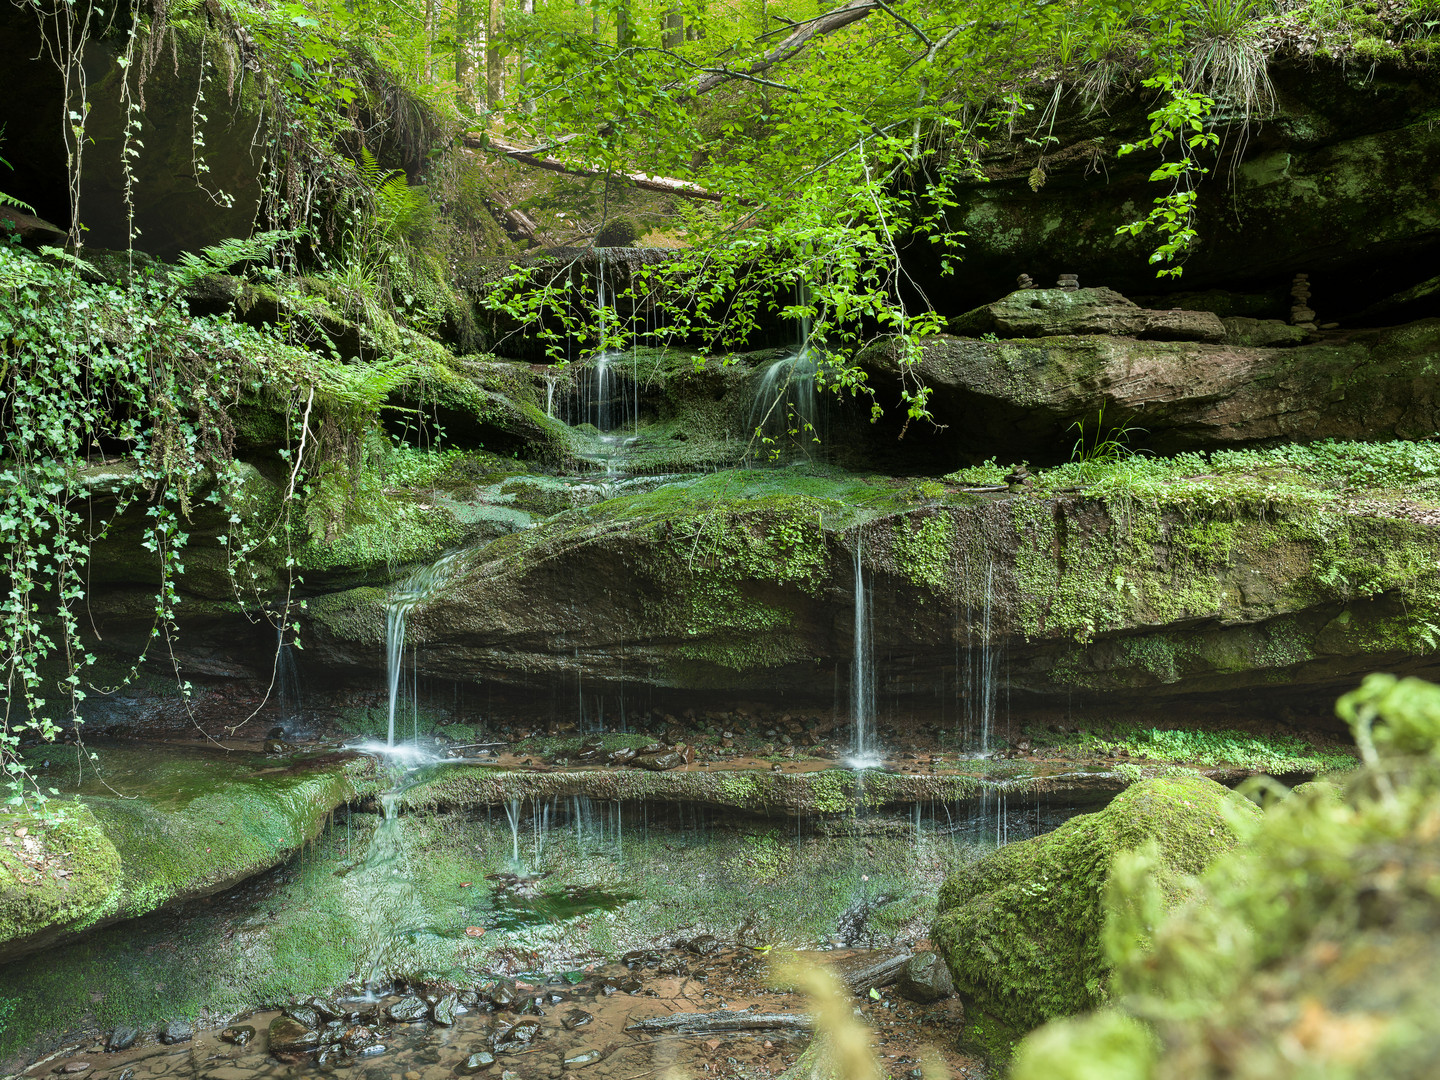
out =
column 419, row 586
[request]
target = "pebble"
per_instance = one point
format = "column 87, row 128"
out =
column 476, row 1063
column 238, row 1035
column 70, row 1068
column 177, row 1031
column 581, row 1059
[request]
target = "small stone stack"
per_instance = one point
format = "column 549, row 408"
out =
column 1068, row 281
column 1024, row 281
column 1301, row 314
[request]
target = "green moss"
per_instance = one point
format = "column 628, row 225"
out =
column 80, row 875
column 923, row 549
column 1021, row 929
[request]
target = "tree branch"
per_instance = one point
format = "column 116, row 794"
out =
column 798, row 38
column 664, row 184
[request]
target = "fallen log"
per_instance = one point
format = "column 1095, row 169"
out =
column 722, row 1020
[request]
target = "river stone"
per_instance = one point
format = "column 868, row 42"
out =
column 661, row 762
column 579, row 1059
column 74, row 1068
column 516, row 1037
column 238, row 1035
column 503, row 995
column 408, row 1010
column 325, row 1008
column 1020, row 929
column 122, row 1038
column 287, row 1035
column 704, row 945
column 575, row 1018
column 443, row 1011
column 476, row 1063
column 926, row 979
column 177, row 1031
column 304, row 1015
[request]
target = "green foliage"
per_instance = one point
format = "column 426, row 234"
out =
column 115, row 402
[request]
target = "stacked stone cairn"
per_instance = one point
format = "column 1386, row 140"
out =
column 1024, row 281
column 1068, row 281
column 1301, row 314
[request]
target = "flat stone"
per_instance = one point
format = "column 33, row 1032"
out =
column 582, row 1058
column 238, row 1035
column 1032, row 313
column 476, row 1063
column 408, row 1010
column 74, row 1068
column 576, row 1018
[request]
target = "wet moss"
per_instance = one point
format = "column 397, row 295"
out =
column 180, row 827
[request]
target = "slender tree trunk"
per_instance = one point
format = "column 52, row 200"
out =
column 494, row 52
column 695, row 28
column 430, row 13
column 464, row 39
column 674, row 34
column 624, row 35
column 528, row 7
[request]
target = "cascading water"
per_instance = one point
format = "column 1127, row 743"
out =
column 863, row 752
column 785, row 414
column 419, row 586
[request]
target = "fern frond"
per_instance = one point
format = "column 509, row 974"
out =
column 217, row 258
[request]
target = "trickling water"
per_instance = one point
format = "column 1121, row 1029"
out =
column 982, row 662
column 421, row 585
column 287, row 681
column 863, row 752
column 550, row 396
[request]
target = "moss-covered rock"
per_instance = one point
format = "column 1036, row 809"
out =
column 1188, row 575
column 1309, row 951
column 1024, row 398
column 55, row 872
column 157, row 828
column 1021, row 929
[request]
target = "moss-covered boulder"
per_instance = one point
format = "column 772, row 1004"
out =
column 1021, row 929
column 152, row 828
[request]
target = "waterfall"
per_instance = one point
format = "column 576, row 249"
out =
column 550, row 396
column 287, row 680
column 785, row 401
column 512, row 811
column 419, row 586
column 983, row 659
column 785, row 409
column 863, row 753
